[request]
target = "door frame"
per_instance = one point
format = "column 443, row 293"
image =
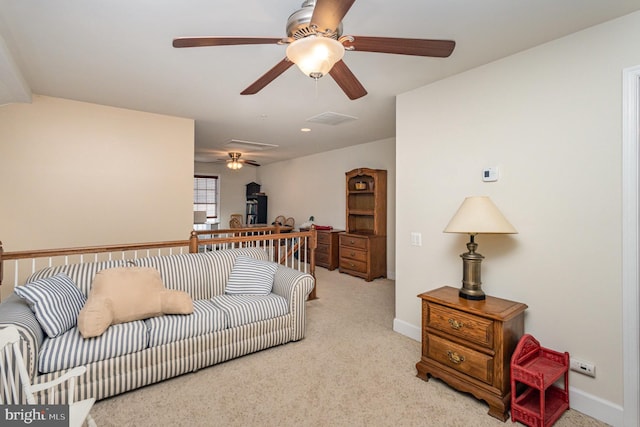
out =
column 630, row 250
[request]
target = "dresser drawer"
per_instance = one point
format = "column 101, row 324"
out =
column 353, row 254
column 322, row 249
column 353, row 241
column 462, row 325
column 352, row 264
column 324, row 238
column 470, row 362
column 322, row 259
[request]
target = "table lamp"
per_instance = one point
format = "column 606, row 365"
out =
column 476, row 215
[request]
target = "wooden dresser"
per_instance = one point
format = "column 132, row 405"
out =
column 468, row 344
column 327, row 250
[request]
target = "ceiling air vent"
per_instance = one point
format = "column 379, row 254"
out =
column 239, row 144
column 330, row 118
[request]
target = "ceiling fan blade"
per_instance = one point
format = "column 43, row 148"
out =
column 327, row 14
column 400, row 46
column 347, row 80
column 222, row 41
column 250, row 162
column 267, row 77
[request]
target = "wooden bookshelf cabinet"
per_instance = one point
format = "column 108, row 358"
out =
column 363, row 247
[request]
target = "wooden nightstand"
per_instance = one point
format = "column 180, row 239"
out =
column 327, row 248
column 327, row 254
column 468, row 344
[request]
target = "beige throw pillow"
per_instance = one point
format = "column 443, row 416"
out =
column 124, row 294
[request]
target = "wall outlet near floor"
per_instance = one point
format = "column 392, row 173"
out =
column 586, row 368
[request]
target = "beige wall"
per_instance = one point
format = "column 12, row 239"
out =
column 76, row 174
column 315, row 185
column 550, row 119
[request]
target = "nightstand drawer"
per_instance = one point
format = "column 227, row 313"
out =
column 352, row 264
column 324, row 238
column 470, row 362
column 322, row 249
column 463, row 325
column 353, row 241
column 322, row 259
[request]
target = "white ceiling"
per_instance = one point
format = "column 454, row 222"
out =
column 119, row 53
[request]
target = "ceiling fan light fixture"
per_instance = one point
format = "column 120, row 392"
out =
column 234, row 165
column 315, row 55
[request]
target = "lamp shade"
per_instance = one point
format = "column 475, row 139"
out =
column 315, row 55
column 479, row 215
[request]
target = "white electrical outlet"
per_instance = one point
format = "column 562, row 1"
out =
column 586, row 368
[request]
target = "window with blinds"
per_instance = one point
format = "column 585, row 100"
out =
column 205, row 195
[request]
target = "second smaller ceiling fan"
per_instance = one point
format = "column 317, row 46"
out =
column 235, row 162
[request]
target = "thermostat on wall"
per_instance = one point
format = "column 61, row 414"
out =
column 490, row 174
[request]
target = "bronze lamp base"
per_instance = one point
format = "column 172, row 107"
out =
column 471, row 283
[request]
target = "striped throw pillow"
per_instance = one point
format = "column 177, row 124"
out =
column 56, row 302
column 251, row 276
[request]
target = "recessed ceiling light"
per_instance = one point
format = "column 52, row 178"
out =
column 305, row 130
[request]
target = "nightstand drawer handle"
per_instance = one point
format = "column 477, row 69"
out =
column 455, row 324
column 455, row 357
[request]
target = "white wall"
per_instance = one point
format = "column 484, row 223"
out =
column 77, row 174
column 315, row 185
column 550, row 119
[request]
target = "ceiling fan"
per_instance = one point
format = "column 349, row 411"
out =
column 235, row 162
column 316, row 44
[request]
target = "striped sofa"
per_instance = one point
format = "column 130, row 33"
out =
column 135, row 354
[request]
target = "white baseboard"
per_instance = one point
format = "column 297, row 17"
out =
column 586, row 403
column 407, row 329
column 596, row 407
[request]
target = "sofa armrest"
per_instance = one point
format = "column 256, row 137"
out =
column 14, row 311
column 295, row 286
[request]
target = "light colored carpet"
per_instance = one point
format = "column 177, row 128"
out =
column 350, row 370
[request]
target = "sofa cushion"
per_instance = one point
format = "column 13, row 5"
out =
column 56, row 302
column 251, row 276
column 206, row 318
column 70, row 349
column 242, row 309
column 190, row 273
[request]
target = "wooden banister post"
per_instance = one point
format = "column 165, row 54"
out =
column 313, row 244
column 193, row 242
